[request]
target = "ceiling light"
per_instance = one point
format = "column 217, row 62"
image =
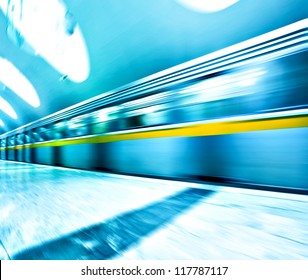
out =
column 47, row 28
column 207, row 6
column 12, row 78
column 7, row 108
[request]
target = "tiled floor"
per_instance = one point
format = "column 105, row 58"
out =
column 57, row 213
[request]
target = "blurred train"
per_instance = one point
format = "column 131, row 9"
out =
column 236, row 115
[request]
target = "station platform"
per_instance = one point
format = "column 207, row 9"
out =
column 58, row 213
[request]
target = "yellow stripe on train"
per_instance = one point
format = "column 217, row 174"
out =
column 187, row 130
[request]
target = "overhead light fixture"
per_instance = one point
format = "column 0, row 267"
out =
column 12, row 78
column 7, row 108
column 207, row 6
column 48, row 29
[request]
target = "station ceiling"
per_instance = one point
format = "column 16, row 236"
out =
column 127, row 40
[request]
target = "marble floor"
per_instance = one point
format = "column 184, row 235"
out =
column 58, row 213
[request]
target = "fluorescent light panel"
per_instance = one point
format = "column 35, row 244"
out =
column 7, row 108
column 11, row 77
column 51, row 31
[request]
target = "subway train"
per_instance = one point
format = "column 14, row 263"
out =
column 237, row 115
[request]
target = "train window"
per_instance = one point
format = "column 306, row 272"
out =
column 106, row 120
column 228, row 94
column 23, row 138
column 190, row 113
column 115, row 125
column 134, row 121
column 156, row 118
column 209, row 110
column 3, row 143
column 19, row 139
column 47, row 133
column 147, row 116
column 36, row 136
column 12, row 141
column 78, row 126
column 41, row 134
column 27, row 137
column 59, row 130
column 107, row 114
column 99, row 127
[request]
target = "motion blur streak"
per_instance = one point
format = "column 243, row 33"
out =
column 271, row 121
column 205, row 160
column 241, row 117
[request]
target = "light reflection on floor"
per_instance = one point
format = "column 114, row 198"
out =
column 58, row 213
